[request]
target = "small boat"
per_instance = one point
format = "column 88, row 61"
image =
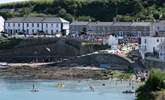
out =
column 128, row 92
column 34, row 90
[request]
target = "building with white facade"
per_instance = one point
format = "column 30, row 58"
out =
column 31, row 25
column 153, row 45
column 160, row 28
column 111, row 41
column 2, row 20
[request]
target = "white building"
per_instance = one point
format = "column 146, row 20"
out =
column 160, row 28
column 2, row 20
column 31, row 25
column 111, row 41
column 151, row 45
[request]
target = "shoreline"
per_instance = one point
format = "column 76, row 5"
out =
column 60, row 73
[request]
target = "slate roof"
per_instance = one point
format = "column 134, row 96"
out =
column 16, row 19
column 120, row 23
column 141, row 23
column 79, row 23
column 100, row 23
column 33, row 19
column 37, row 20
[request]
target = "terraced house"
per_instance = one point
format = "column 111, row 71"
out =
column 31, row 25
column 136, row 29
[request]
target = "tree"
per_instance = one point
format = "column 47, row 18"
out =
column 83, row 31
column 69, row 17
column 155, row 82
column 85, row 18
column 62, row 13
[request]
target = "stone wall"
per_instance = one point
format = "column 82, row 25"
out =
column 110, row 60
column 45, row 49
column 153, row 63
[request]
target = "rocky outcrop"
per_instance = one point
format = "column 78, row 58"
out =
column 107, row 60
column 26, row 72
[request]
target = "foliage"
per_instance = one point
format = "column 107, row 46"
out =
column 154, row 83
column 85, row 18
column 121, row 74
column 7, row 43
column 83, row 31
column 100, row 10
column 106, row 74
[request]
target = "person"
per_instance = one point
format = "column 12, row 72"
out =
column 92, row 88
column 33, row 89
column 60, row 85
column 103, row 84
column 79, row 81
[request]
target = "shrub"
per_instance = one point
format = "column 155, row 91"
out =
column 154, row 83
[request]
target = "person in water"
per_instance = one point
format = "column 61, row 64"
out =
column 33, row 89
column 103, row 84
column 60, row 85
column 92, row 88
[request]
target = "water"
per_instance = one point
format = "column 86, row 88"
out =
column 72, row 90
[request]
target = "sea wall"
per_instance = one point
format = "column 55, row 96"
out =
column 45, row 49
column 101, row 60
column 153, row 63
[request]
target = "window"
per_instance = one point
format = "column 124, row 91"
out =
column 52, row 31
column 9, row 24
column 157, row 40
column 18, row 24
column 52, row 25
column 32, row 30
column 57, row 25
column 27, row 25
column 145, row 48
column 46, row 31
column 13, row 24
column 46, row 25
column 158, row 27
column 145, row 41
column 38, row 25
column 27, row 31
column 32, row 24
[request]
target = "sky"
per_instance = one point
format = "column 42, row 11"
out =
column 7, row 1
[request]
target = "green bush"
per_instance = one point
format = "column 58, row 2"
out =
column 99, row 10
column 7, row 43
column 154, row 83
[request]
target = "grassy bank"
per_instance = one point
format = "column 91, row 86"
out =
column 106, row 74
column 154, row 88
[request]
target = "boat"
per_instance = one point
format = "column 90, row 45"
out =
column 128, row 92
